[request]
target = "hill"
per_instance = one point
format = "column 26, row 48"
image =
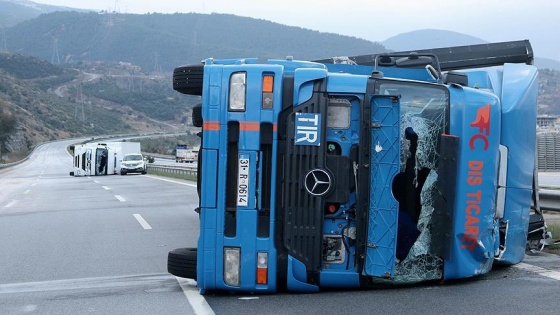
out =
column 160, row 42
column 43, row 102
column 431, row 38
column 13, row 12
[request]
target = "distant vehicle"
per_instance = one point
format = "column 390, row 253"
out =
column 184, row 154
column 133, row 163
column 100, row 158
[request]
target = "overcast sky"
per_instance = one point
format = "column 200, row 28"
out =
column 375, row 20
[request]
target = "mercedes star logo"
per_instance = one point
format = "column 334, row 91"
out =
column 317, row 182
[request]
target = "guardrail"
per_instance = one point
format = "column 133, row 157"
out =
column 172, row 171
column 549, row 198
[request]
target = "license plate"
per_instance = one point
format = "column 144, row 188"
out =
column 243, row 182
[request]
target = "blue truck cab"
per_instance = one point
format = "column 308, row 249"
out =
column 362, row 171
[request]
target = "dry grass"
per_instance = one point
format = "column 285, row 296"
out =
column 554, row 229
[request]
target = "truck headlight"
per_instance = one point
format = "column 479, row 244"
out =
column 237, row 90
column 232, row 266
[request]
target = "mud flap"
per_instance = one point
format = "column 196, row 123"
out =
column 385, row 164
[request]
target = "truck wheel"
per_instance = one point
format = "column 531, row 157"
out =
column 188, row 79
column 181, row 262
column 197, row 115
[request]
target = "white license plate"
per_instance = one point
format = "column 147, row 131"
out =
column 243, row 182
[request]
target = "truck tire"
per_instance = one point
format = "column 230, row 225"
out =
column 188, row 79
column 181, row 262
column 197, row 115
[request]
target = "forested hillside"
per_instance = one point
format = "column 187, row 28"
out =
column 549, row 92
column 43, row 102
column 160, row 42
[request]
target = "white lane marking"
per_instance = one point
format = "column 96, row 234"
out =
column 142, row 222
column 121, row 199
column 197, row 301
column 102, row 283
column 34, row 184
column 541, row 271
column 28, row 308
column 11, row 204
column 171, row 181
column 95, row 181
column 26, row 192
column 106, row 188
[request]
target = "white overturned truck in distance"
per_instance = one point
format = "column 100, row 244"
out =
column 106, row 158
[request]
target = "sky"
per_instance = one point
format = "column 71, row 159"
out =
column 375, row 20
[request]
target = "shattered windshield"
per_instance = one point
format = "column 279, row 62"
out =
column 424, row 108
column 424, row 117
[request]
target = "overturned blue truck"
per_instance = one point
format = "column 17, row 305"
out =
column 359, row 171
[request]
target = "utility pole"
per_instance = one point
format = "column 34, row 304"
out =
column 80, row 104
column 4, row 45
column 55, row 56
column 157, row 68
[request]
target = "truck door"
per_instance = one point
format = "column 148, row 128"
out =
column 383, row 210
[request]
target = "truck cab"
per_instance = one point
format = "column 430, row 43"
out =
column 332, row 174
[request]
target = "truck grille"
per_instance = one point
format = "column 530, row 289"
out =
column 302, row 213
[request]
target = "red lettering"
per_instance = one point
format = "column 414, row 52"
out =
column 474, row 181
column 476, row 165
column 478, row 137
column 469, row 242
column 469, row 239
column 475, row 178
column 472, row 220
column 469, row 209
column 476, row 195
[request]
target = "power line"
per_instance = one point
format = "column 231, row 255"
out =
column 55, row 56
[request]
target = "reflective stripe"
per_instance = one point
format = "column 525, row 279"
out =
column 211, row 125
column 214, row 125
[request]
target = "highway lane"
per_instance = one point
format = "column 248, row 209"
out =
column 75, row 245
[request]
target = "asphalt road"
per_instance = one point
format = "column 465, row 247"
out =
column 98, row 245
column 76, row 245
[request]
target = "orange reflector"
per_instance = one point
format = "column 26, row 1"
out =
column 268, row 84
column 262, row 275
